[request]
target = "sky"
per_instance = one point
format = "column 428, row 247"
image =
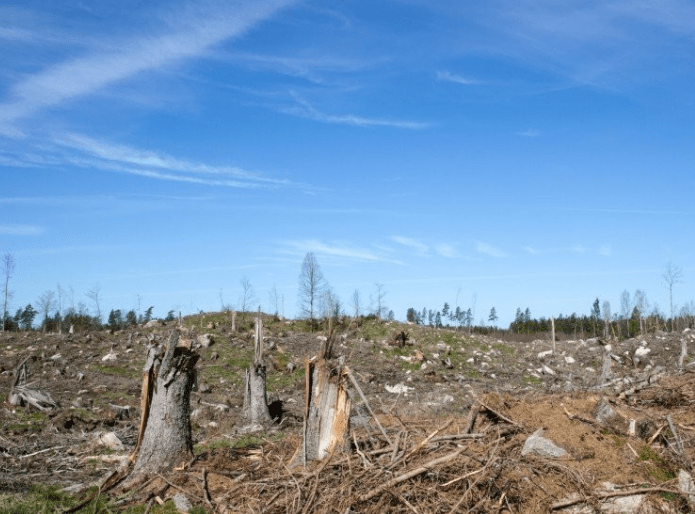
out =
column 529, row 154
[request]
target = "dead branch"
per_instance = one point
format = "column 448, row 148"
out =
column 410, row 474
column 612, row 494
column 366, row 403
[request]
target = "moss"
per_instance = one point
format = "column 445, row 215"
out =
column 531, row 380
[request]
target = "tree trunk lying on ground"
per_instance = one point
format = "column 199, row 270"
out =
column 164, row 438
column 21, row 394
column 255, row 396
column 326, row 407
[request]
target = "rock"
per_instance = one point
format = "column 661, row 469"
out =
column 182, row 503
column 686, row 485
column 109, row 357
column 398, row 388
column 618, row 505
column 205, row 340
column 546, row 370
column 204, row 389
column 153, row 323
column 110, row 440
column 538, row 445
column 642, row 351
column 543, row 355
column 214, row 356
column 291, row 367
column 569, row 360
column 603, row 411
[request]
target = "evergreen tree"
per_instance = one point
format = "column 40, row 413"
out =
column 438, row 319
column 131, row 318
column 445, row 310
column 492, row 318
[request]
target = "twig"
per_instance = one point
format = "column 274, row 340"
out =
column 410, row 474
column 454, row 437
column 633, row 450
column 656, row 434
column 679, row 443
column 366, row 403
column 500, row 416
column 463, row 477
column 406, row 502
column 206, row 493
column 179, row 488
column 366, row 462
column 472, row 416
column 40, row 451
column 577, row 417
column 427, row 439
column 613, row 494
column 149, row 506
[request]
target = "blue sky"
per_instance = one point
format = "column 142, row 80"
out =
column 498, row 154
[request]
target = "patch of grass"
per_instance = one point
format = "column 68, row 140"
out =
column 22, row 427
column 47, row 499
column 277, row 381
column 504, row 349
column 248, row 441
column 217, row 443
column 117, row 370
column 531, row 380
column 657, row 467
column 374, row 330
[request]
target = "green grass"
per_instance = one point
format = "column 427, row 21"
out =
column 505, row 349
column 657, row 467
column 531, row 380
column 278, row 381
column 117, row 370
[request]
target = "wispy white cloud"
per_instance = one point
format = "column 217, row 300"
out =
column 135, row 161
column 87, row 75
column 304, row 109
column 446, row 250
column 488, row 249
column 605, row 250
column 339, row 249
column 447, row 76
column 21, row 230
column 416, row 245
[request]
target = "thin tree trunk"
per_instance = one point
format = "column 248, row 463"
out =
column 165, row 439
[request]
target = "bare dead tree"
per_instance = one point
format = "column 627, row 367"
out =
column 45, row 304
column 248, row 296
column 356, row 303
column 94, row 294
column 60, row 292
column 7, row 264
column 311, row 285
column 672, row 275
column 380, row 294
column 274, row 297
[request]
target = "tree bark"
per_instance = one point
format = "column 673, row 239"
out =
column 255, row 396
column 326, row 407
column 165, row 439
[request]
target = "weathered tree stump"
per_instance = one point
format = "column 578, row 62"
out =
column 255, row 396
column 21, row 394
column 326, row 407
column 164, row 439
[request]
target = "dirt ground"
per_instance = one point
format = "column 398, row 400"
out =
column 425, row 392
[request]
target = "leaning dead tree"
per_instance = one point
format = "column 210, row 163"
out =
column 255, row 397
column 326, row 406
column 22, row 393
column 164, row 438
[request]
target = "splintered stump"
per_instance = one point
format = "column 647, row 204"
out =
column 164, row 439
column 255, row 397
column 21, row 394
column 326, row 408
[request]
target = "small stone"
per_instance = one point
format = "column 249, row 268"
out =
column 205, row 340
column 539, row 445
column 182, row 503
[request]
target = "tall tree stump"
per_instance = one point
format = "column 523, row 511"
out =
column 326, row 407
column 255, row 395
column 164, row 438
